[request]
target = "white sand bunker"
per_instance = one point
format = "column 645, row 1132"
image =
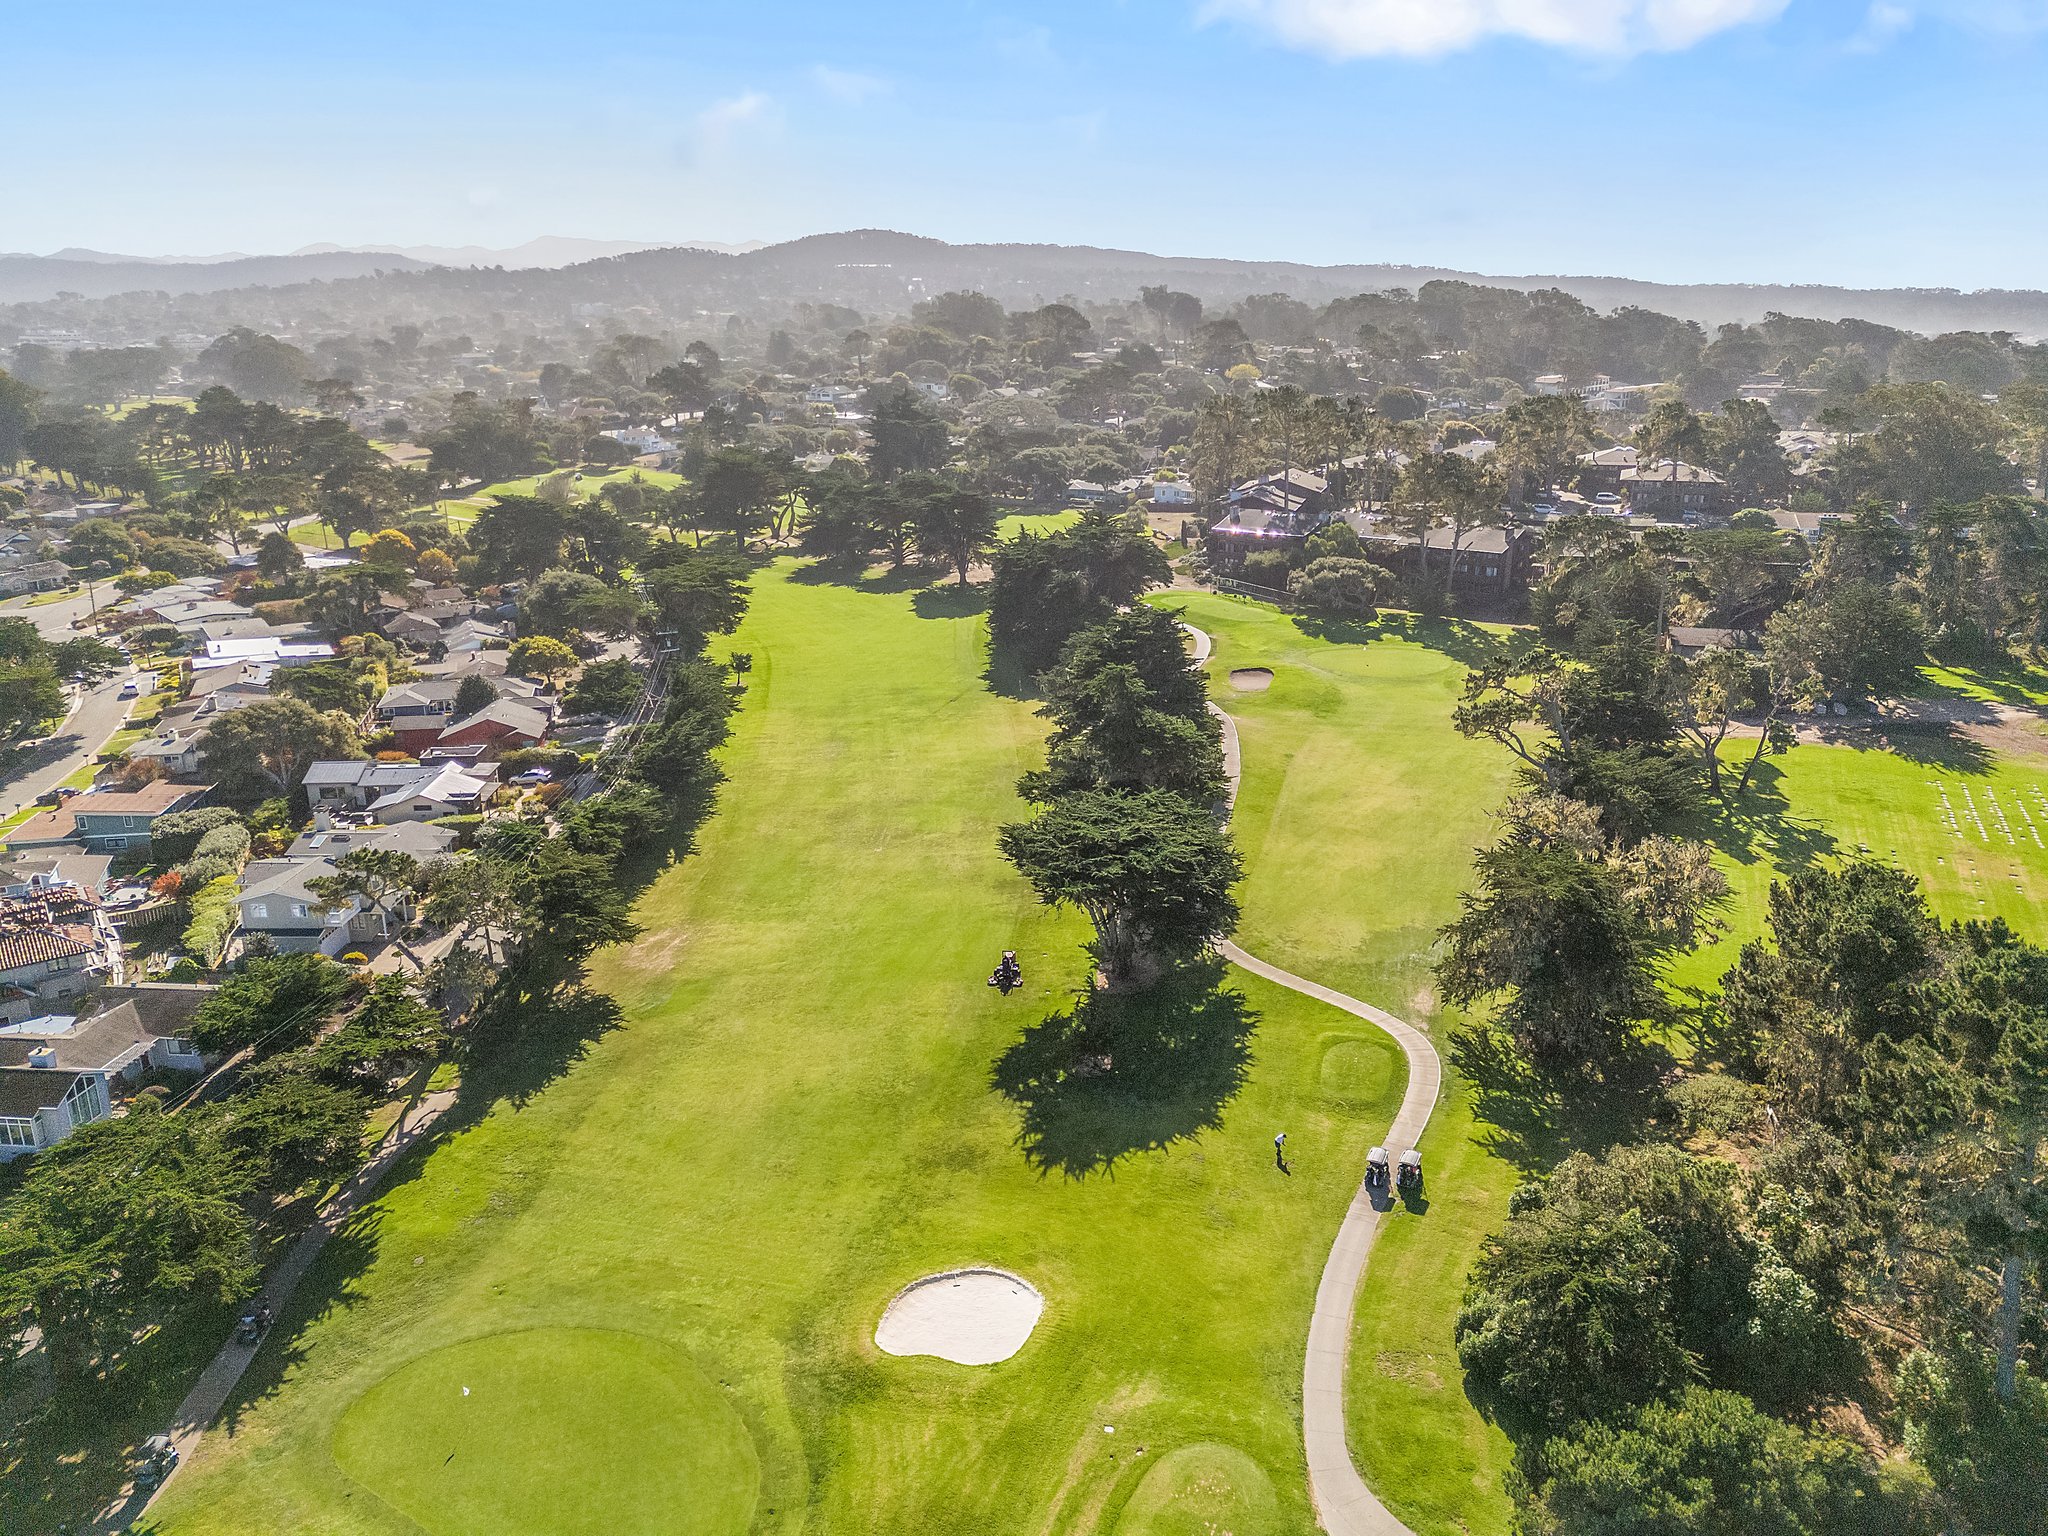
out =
column 968, row 1316
column 1251, row 679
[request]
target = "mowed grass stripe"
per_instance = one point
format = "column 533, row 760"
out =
column 795, row 1118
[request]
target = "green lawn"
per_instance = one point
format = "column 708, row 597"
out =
column 794, row 1118
column 592, row 481
column 1014, row 523
column 1972, row 825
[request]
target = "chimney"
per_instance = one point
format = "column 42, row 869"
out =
column 43, row 1056
column 323, row 821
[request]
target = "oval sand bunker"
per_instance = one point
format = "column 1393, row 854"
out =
column 1251, row 679
column 968, row 1316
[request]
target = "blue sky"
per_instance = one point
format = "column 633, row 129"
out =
column 1903, row 142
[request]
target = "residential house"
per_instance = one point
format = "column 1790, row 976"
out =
column 32, row 872
column 1086, row 493
column 55, row 943
column 1172, row 493
column 107, row 821
column 391, row 792
column 426, row 699
column 1272, row 512
column 1675, row 492
column 278, row 900
column 30, row 568
column 178, row 748
column 274, row 650
column 1490, row 563
column 1601, row 470
column 188, row 616
column 471, row 635
column 499, row 726
column 39, row 1107
column 1690, row 639
column 58, row 1072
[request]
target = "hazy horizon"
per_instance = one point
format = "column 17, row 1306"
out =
column 1754, row 141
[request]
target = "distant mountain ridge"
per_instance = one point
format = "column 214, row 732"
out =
column 28, row 278
column 882, row 272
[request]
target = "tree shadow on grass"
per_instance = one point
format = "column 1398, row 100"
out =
column 951, row 601
column 1460, row 639
column 862, row 577
column 1932, row 744
column 1533, row 1119
column 525, row 1038
column 1118, row 1074
column 1760, row 826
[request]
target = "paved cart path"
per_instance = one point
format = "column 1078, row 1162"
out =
column 1345, row 1506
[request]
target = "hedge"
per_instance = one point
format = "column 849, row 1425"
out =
column 213, row 919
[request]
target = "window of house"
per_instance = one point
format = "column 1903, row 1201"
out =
column 17, row 1133
column 87, row 1100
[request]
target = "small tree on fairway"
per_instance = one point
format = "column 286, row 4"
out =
column 1152, row 870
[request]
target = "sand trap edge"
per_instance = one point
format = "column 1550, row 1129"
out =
column 1252, row 679
column 965, row 1271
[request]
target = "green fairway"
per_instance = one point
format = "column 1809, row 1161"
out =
column 1202, row 1490
column 1360, row 810
column 587, row 482
column 794, row 1117
column 555, row 1429
column 1014, row 523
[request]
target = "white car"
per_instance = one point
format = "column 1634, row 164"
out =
column 131, row 689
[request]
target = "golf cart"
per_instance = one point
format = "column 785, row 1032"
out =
column 249, row 1328
column 1410, row 1174
column 159, row 1459
column 1376, row 1168
column 1008, row 974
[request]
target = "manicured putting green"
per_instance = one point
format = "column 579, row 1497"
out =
column 553, row 1432
column 1202, row 1490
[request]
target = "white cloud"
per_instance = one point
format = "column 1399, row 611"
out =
column 1349, row 29
column 847, row 85
column 1887, row 20
column 1882, row 23
column 718, row 125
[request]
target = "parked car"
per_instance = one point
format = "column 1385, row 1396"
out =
column 130, row 690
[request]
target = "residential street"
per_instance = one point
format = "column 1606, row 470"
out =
column 53, row 620
column 98, row 716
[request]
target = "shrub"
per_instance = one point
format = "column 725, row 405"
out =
column 1266, row 568
column 213, row 919
column 1337, row 587
column 177, row 836
column 230, row 840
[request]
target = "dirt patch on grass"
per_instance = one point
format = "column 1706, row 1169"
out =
column 1414, row 1366
column 1252, row 679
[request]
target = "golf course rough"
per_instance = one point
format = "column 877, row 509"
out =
column 522, row 1432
